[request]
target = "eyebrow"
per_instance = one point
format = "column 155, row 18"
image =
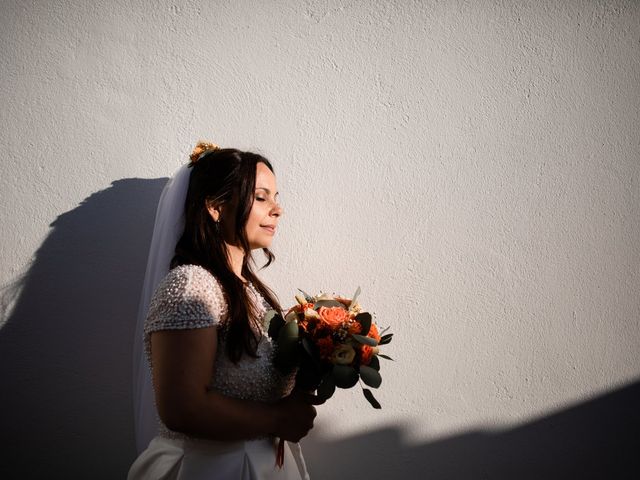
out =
column 267, row 190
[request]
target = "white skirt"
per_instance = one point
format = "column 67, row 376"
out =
column 195, row 459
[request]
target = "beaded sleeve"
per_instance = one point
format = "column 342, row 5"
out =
column 188, row 297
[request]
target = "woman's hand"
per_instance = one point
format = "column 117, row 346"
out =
column 295, row 414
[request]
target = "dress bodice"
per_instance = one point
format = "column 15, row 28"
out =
column 190, row 297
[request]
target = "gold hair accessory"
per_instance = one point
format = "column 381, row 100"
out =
column 201, row 148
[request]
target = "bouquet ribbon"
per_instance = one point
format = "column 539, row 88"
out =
column 280, row 453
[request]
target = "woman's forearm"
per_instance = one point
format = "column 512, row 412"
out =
column 218, row 417
column 183, row 364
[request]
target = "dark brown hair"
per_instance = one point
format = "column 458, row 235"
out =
column 217, row 178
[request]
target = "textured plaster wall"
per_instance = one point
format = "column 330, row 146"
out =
column 473, row 166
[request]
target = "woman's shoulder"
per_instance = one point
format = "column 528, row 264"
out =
column 188, row 292
column 190, row 275
column 190, row 281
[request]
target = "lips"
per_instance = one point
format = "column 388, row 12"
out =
column 269, row 228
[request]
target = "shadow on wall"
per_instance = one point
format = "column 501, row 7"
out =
column 598, row 439
column 65, row 376
column 65, row 351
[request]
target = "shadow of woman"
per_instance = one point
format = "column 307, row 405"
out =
column 65, row 349
column 595, row 439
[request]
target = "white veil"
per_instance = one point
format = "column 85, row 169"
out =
column 168, row 228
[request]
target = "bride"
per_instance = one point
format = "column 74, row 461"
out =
column 220, row 405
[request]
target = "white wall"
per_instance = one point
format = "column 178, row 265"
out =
column 473, row 166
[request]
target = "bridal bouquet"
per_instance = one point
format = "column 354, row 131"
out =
column 332, row 342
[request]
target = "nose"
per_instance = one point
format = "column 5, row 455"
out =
column 276, row 211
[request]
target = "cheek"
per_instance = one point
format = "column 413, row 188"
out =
column 254, row 220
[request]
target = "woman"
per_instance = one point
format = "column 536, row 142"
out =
column 221, row 404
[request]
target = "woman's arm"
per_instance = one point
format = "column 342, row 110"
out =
column 183, row 363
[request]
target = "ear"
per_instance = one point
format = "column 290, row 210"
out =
column 214, row 211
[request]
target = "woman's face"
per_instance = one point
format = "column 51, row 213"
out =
column 265, row 211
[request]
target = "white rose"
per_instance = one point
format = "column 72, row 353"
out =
column 343, row 355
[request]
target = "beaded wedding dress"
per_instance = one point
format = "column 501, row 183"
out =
column 190, row 297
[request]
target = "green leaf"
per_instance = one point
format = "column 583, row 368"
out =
column 327, row 387
column 374, row 363
column 385, row 356
column 328, row 304
column 288, row 333
column 372, row 400
column 312, row 351
column 344, row 376
column 287, row 346
column 364, row 319
column 365, row 340
column 307, row 297
column 370, row 376
column 274, row 322
column 386, row 338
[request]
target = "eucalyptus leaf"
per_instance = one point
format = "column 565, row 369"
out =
column 288, row 333
column 374, row 363
column 307, row 297
column 365, row 340
column 312, row 350
column 287, row 352
column 364, row 319
column 274, row 322
column 372, row 400
column 344, row 376
column 327, row 387
column 386, row 338
column 385, row 356
column 370, row 376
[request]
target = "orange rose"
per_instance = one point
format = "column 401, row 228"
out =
column 333, row 317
